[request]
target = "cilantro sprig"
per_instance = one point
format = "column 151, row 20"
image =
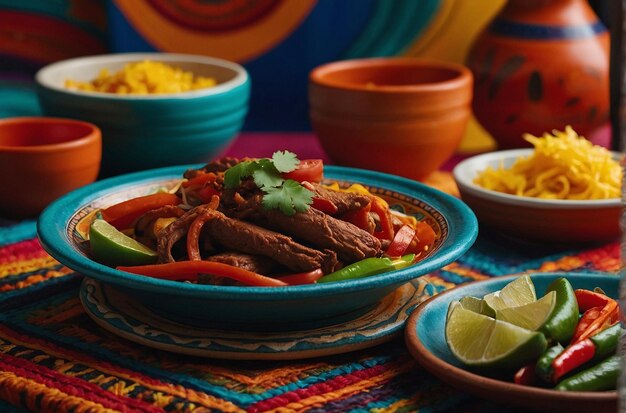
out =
column 286, row 195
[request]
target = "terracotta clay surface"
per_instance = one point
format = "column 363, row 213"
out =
column 42, row 159
column 402, row 116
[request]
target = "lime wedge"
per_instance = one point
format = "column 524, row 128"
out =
column 112, row 247
column 481, row 341
column 518, row 292
column 530, row 316
column 477, row 305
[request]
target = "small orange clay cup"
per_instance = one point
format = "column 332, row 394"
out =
column 42, row 159
column 403, row 116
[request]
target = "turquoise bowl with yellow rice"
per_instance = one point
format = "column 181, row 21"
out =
column 148, row 131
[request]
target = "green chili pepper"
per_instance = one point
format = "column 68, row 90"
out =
column 543, row 368
column 562, row 322
column 367, row 267
column 606, row 341
column 602, row 376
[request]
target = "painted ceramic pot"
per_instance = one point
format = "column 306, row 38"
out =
column 541, row 65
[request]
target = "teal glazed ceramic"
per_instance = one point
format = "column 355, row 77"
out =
column 425, row 338
column 258, row 307
column 119, row 314
column 149, row 131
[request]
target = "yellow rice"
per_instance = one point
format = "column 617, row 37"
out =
column 144, row 78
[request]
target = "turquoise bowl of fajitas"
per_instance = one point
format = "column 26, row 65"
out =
column 264, row 244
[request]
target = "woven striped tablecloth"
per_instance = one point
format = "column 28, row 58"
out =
column 54, row 358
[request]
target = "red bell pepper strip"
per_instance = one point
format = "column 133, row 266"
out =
column 588, row 299
column 424, row 238
column 572, row 357
column 359, row 217
column 189, row 271
column 200, row 179
column 324, row 205
column 401, row 241
column 525, row 375
column 193, row 234
column 122, row 215
column 303, row 277
column 384, row 216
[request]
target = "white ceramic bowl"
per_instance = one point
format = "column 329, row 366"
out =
column 534, row 219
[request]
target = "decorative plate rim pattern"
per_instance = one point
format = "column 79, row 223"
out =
column 114, row 311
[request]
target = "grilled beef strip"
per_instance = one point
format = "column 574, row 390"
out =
column 218, row 165
column 246, row 237
column 255, row 263
column 168, row 236
column 317, row 229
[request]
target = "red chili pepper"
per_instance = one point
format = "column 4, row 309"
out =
column 324, row 205
column 189, row 271
column 384, row 216
column 572, row 357
column 123, row 215
column 588, row 299
column 359, row 217
column 303, row 277
column 585, row 320
column 401, row 241
column 608, row 313
column 525, row 375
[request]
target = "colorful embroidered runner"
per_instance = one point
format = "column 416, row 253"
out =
column 54, row 358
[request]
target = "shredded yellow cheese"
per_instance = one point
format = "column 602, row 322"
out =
column 562, row 166
column 144, row 78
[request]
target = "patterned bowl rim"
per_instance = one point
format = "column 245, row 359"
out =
column 459, row 220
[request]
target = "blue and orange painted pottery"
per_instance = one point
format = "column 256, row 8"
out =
column 149, row 131
column 258, row 308
column 541, row 65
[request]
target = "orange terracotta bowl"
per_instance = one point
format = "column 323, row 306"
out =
column 42, row 159
column 403, row 116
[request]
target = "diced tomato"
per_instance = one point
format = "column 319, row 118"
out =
column 311, row 170
column 401, row 241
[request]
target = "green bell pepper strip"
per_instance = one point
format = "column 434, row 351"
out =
column 595, row 348
column 602, row 376
column 543, row 367
column 367, row 267
column 563, row 320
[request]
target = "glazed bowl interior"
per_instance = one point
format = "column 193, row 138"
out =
column 41, row 133
column 535, row 219
column 236, row 307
